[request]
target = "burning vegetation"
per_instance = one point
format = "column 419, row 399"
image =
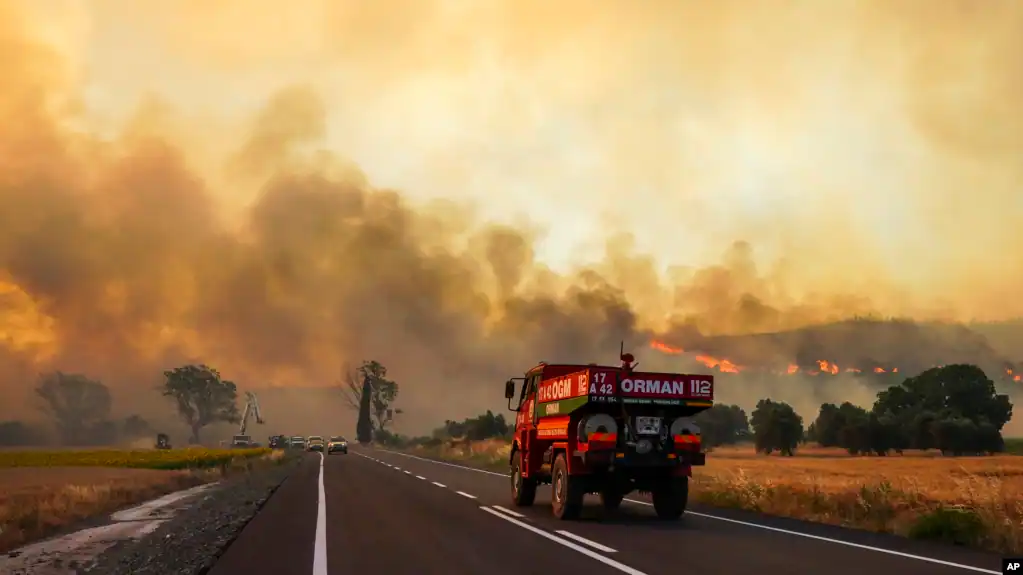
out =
column 817, row 367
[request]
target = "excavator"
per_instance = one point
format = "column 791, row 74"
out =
column 242, row 439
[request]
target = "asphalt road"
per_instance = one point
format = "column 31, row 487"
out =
column 385, row 512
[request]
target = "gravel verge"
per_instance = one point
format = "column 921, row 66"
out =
column 192, row 541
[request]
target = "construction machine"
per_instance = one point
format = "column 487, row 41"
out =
column 242, row 439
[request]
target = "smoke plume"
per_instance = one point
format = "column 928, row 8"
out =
column 462, row 189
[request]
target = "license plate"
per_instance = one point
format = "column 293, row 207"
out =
column 648, row 425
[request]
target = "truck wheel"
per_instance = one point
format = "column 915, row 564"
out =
column 523, row 489
column 566, row 497
column 611, row 499
column 670, row 498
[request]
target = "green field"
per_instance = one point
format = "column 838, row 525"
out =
column 191, row 458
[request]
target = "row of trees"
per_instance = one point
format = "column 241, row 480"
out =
column 79, row 407
column 483, row 426
column 953, row 408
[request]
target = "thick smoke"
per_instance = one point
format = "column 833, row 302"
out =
column 185, row 181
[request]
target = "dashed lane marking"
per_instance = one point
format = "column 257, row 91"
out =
column 585, row 541
column 507, row 511
column 439, row 484
column 738, row 522
column 464, row 494
column 562, row 541
column 420, row 477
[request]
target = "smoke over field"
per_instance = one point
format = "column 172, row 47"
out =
column 459, row 190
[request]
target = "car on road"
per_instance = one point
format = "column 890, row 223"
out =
column 314, row 443
column 297, row 442
column 337, row 443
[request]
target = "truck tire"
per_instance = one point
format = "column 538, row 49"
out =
column 670, row 498
column 523, row 489
column 611, row 499
column 566, row 496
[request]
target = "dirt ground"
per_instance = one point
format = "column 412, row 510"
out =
column 37, row 501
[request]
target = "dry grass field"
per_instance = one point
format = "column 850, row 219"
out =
column 976, row 501
column 38, row 501
column 44, row 492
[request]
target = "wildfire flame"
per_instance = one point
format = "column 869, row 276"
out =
column 723, row 365
column 827, row 366
column 665, row 348
column 823, row 366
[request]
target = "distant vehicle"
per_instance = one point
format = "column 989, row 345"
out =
column 162, row 441
column 314, row 443
column 337, row 443
column 297, row 442
column 278, row 441
column 242, row 441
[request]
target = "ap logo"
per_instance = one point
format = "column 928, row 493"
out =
column 1012, row 565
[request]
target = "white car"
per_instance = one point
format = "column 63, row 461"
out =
column 314, row 443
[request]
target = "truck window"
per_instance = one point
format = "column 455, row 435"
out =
column 529, row 387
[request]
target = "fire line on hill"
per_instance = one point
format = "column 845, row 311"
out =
column 822, row 366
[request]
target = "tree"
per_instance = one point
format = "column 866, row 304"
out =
column 382, row 392
column 78, row 405
column 364, row 427
column 776, row 427
column 954, row 408
column 722, row 425
column 134, row 427
column 18, row 433
column 827, row 429
column 484, row 426
column 202, row 397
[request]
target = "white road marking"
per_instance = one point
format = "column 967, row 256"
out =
column 464, row 494
column 407, row 472
column 320, row 549
column 149, row 508
column 439, row 484
column 420, row 477
column 507, row 511
column 85, row 545
column 591, row 554
column 585, row 541
column 750, row 524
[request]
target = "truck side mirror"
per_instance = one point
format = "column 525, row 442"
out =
column 509, row 389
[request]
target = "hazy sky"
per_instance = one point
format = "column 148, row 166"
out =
column 669, row 119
